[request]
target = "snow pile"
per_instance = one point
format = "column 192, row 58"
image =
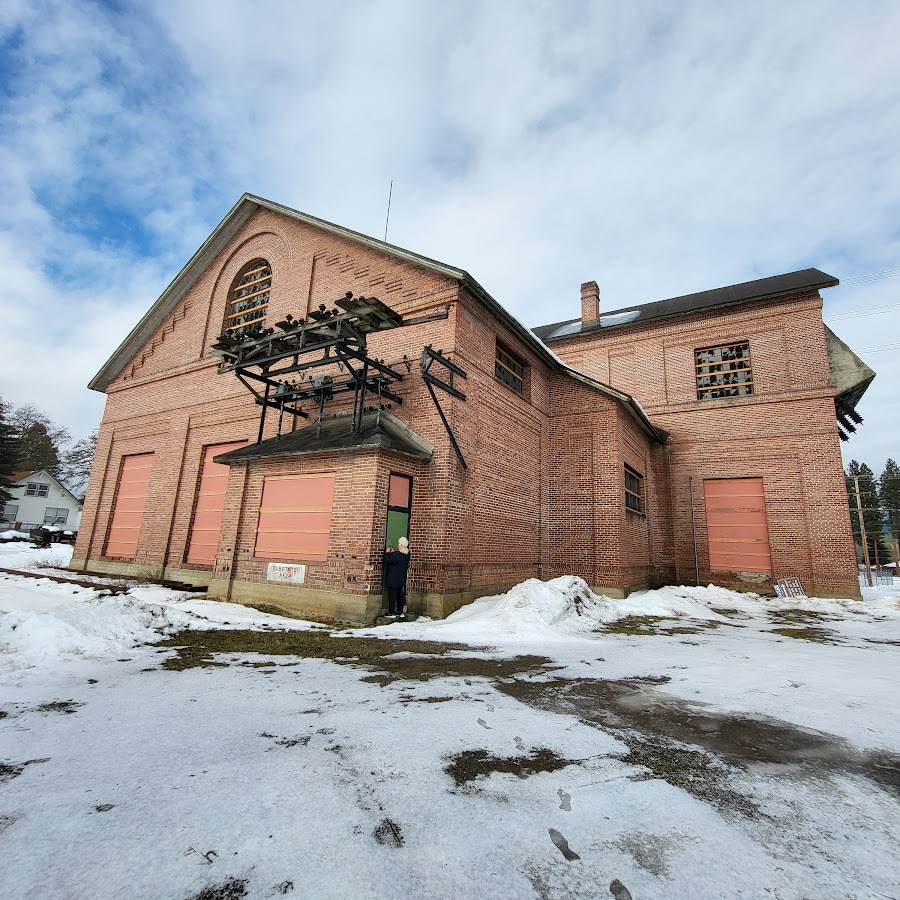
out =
column 560, row 609
column 24, row 555
column 13, row 535
column 99, row 627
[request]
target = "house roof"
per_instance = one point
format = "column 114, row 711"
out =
column 730, row 295
column 235, row 219
column 18, row 479
column 379, row 432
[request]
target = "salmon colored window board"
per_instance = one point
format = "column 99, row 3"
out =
column 736, row 525
column 128, row 512
column 295, row 518
column 211, row 490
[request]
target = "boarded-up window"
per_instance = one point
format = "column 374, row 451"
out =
column 128, row 512
column 634, row 490
column 210, row 506
column 510, row 368
column 736, row 525
column 248, row 298
column 295, row 517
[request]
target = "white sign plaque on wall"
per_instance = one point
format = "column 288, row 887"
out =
column 286, row 572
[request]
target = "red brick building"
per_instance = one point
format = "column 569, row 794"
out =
column 689, row 439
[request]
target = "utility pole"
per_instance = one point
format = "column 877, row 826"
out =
column 862, row 531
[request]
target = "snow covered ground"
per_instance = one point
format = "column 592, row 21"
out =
column 688, row 742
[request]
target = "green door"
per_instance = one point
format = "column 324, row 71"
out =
column 398, row 512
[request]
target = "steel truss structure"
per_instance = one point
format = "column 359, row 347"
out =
column 277, row 365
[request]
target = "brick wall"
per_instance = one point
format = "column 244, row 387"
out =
column 784, row 433
column 543, row 490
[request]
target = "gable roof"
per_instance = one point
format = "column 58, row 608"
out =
column 241, row 212
column 730, row 295
column 236, row 217
column 20, row 479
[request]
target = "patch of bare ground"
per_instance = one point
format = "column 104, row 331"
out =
column 470, row 765
column 233, row 889
column 387, row 660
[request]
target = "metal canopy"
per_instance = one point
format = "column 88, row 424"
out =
column 277, row 365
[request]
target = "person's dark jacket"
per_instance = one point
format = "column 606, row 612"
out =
column 396, row 565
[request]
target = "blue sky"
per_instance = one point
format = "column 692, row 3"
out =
column 657, row 148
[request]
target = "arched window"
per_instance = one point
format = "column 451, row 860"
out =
column 248, row 298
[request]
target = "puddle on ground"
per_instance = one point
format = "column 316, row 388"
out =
column 695, row 748
column 388, row 660
column 473, row 764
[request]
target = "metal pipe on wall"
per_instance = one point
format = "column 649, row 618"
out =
column 694, row 532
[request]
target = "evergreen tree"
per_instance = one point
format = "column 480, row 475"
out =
column 872, row 515
column 9, row 460
column 40, row 440
column 889, row 495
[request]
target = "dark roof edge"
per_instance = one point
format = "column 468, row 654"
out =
column 632, row 405
column 555, row 362
column 814, row 283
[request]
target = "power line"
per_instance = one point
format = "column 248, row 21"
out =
column 862, row 313
column 872, row 276
column 882, row 348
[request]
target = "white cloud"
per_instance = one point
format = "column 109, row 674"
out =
column 658, row 149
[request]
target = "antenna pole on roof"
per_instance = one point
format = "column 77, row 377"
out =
column 388, row 216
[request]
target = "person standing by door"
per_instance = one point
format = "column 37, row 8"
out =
column 396, row 568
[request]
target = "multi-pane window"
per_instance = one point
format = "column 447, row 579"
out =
column 634, row 490
column 11, row 512
column 33, row 489
column 55, row 515
column 510, row 368
column 248, row 298
column 723, row 371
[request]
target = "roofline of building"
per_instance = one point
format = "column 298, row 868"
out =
column 769, row 288
column 18, row 482
column 536, row 344
column 239, row 214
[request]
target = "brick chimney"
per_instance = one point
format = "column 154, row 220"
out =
column 590, row 304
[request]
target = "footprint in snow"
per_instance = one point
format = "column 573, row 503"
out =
column 565, row 800
column 484, row 724
column 520, row 746
column 563, row 846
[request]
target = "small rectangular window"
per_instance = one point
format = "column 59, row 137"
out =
column 723, row 371
column 11, row 512
column 36, row 490
column 55, row 515
column 634, row 490
column 510, row 368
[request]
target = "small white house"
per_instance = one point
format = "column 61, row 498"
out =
column 39, row 499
